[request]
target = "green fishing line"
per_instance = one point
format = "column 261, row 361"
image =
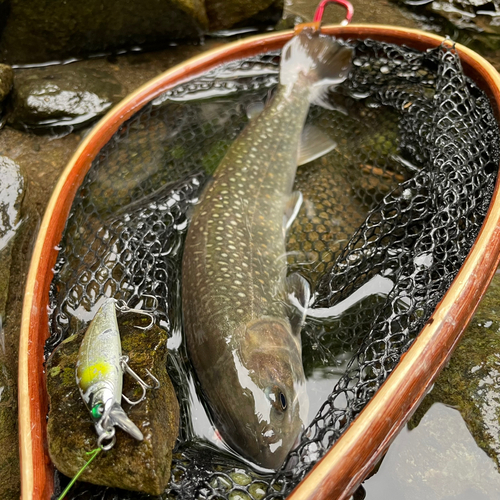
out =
column 93, row 454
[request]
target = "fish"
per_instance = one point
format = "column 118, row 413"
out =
column 99, row 375
column 242, row 313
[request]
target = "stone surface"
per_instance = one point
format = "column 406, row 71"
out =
column 130, row 464
column 11, row 196
column 46, row 30
column 62, row 95
column 223, row 14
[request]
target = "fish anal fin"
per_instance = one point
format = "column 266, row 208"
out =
column 313, row 145
column 292, row 208
column 298, row 293
column 118, row 417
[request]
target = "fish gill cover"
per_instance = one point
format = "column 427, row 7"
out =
column 417, row 154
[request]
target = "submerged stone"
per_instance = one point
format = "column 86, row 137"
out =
column 130, row 464
column 62, row 95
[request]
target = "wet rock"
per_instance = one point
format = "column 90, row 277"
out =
column 11, row 196
column 9, row 458
column 130, row 464
column 46, row 30
column 438, row 460
column 223, row 14
column 6, row 79
column 475, row 23
column 471, row 381
column 62, row 95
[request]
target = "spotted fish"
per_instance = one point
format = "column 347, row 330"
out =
column 242, row 314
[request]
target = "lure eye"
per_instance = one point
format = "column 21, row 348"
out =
column 97, row 411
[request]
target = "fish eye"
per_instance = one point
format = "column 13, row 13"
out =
column 282, row 401
column 277, row 398
column 97, row 411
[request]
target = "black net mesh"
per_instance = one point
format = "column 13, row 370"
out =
column 390, row 215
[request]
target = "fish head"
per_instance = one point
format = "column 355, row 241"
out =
column 273, row 411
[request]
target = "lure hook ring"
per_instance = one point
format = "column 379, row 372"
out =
column 105, row 435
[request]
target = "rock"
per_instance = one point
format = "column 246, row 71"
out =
column 130, row 464
column 471, row 22
column 223, row 14
column 46, row 30
column 6, row 80
column 62, row 95
column 471, row 381
column 11, row 196
column 438, row 460
column 9, row 458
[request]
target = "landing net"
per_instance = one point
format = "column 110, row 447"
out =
column 416, row 161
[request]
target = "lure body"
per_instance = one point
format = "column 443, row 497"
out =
column 99, row 374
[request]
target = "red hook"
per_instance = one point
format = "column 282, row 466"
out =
column 318, row 16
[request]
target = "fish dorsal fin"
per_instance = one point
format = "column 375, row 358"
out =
column 313, row 144
column 298, row 296
column 118, row 417
column 292, row 208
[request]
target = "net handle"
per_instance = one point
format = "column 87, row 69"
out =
column 315, row 25
column 318, row 15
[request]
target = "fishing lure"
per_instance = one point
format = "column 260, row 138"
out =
column 99, row 374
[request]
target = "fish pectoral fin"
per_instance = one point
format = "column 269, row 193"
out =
column 313, row 145
column 254, row 109
column 298, row 293
column 292, row 208
column 118, row 417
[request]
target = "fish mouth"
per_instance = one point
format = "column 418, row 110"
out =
column 269, row 434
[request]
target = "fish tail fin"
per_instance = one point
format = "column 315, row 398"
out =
column 118, row 417
column 320, row 58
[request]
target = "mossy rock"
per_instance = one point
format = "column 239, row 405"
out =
column 9, row 458
column 130, row 464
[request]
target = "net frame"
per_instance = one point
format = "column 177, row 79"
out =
column 390, row 33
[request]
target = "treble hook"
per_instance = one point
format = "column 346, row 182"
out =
column 126, row 368
column 123, row 307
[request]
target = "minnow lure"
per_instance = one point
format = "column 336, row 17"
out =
column 99, row 374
